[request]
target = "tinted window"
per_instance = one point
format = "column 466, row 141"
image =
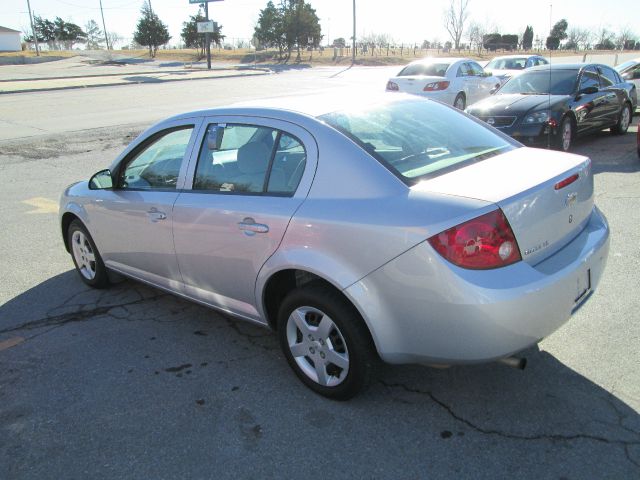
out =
column 556, row 82
column 418, row 138
column 508, row 63
column 426, row 69
column 157, row 165
column 589, row 78
column 250, row 159
column 608, row 77
column 540, row 61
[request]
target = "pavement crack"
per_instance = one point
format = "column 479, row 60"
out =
column 251, row 338
column 76, row 316
column 512, row 436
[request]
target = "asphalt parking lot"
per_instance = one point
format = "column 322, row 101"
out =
column 132, row 382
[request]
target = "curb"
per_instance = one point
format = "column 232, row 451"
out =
column 70, row 77
column 72, row 87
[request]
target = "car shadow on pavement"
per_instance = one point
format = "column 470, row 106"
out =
column 134, row 363
column 610, row 153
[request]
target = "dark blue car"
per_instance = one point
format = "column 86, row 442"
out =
column 549, row 105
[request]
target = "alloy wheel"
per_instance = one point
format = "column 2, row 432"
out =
column 566, row 135
column 83, row 255
column 317, row 346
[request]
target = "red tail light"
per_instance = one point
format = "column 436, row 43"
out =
column 433, row 86
column 566, row 181
column 480, row 244
column 392, row 86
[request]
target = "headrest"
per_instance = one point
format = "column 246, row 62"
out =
column 253, row 157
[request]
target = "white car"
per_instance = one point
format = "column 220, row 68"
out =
column 456, row 81
column 507, row 66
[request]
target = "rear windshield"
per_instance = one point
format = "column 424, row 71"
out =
column 563, row 82
column 418, row 139
column 425, row 69
column 507, row 63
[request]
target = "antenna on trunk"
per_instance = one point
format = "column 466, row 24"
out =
column 549, row 88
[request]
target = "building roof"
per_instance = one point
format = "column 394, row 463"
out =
column 8, row 30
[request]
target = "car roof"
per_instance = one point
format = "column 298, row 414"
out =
column 307, row 105
column 442, row 60
column 563, row 66
column 524, row 55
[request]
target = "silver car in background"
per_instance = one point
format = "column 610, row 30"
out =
column 507, row 66
column 394, row 227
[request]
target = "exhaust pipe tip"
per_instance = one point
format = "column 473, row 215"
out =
column 519, row 363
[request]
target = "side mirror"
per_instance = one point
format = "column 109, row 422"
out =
column 588, row 90
column 494, row 90
column 101, row 180
column 214, row 137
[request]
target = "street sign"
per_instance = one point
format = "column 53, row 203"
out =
column 206, row 27
column 203, row 1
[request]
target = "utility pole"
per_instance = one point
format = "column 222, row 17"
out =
column 207, row 38
column 33, row 30
column 353, row 43
column 104, row 27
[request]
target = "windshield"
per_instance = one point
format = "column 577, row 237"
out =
column 507, row 63
column 626, row 65
column 418, row 138
column 425, row 69
column 562, row 82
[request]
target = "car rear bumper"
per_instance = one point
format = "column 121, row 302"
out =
column 422, row 309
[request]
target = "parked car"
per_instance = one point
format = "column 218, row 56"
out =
column 391, row 227
column 630, row 71
column 550, row 105
column 508, row 65
column 455, row 81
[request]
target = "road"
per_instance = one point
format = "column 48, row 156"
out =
column 131, row 382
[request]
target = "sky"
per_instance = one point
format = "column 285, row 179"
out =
column 404, row 21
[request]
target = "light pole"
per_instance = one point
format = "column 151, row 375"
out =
column 33, row 30
column 106, row 38
column 353, row 43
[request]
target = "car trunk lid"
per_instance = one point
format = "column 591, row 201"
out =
column 546, row 196
column 415, row 84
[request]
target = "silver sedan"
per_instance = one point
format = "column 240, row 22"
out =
column 394, row 228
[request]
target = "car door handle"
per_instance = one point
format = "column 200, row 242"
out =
column 250, row 227
column 155, row 215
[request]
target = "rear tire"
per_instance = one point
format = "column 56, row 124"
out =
column 624, row 120
column 326, row 342
column 460, row 102
column 86, row 257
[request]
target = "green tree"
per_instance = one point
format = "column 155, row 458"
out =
column 193, row 39
column 301, row 25
column 95, row 36
column 558, row 33
column 269, row 30
column 150, row 32
column 553, row 43
column 527, row 38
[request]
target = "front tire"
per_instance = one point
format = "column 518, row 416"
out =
column 326, row 342
column 624, row 119
column 564, row 138
column 460, row 102
column 86, row 257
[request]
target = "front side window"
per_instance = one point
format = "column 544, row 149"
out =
column 249, row 160
column 608, row 77
column 476, row 69
column 157, row 164
column 589, row 79
column 418, row 139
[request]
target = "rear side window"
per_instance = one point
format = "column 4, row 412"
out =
column 424, row 69
column 249, row 160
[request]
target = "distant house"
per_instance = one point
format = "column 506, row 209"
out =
column 9, row 40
